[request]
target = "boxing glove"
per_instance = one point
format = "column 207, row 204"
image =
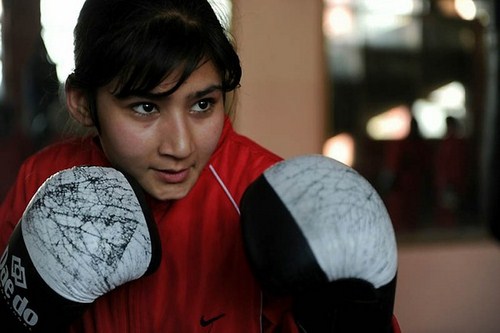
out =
column 316, row 230
column 86, row 231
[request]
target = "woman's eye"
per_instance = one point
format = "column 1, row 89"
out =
column 144, row 108
column 202, row 106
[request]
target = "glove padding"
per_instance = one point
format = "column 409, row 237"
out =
column 86, row 231
column 315, row 229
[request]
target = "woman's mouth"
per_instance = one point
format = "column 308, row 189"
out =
column 173, row 176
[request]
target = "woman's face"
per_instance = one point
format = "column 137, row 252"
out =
column 164, row 141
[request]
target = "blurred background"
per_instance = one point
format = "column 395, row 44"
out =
column 404, row 91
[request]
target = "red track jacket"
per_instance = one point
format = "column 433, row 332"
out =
column 203, row 283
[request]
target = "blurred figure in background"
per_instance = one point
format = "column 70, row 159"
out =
column 403, row 178
column 450, row 174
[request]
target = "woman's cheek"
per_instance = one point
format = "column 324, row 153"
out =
column 125, row 142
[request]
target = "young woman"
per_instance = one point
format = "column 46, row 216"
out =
column 151, row 77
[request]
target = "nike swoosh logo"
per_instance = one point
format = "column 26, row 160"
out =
column 205, row 322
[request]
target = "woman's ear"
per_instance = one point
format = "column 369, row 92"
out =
column 78, row 106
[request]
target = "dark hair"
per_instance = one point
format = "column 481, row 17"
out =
column 139, row 43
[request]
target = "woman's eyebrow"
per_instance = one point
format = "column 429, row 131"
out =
column 204, row 92
column 193, row 95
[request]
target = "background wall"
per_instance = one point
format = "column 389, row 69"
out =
column 283, row 79
column 443, row 287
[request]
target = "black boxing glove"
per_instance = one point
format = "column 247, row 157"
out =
column 86, row 231
column 315, row 229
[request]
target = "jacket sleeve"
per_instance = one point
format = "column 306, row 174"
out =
column 277, row 316
column 16, row 200
column 395, row 325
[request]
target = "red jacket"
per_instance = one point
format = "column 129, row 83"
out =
column 203, row 283
column 203, row 273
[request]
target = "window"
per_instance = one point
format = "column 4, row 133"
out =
column 57, row 29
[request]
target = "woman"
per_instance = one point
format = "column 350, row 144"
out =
column 152, row 78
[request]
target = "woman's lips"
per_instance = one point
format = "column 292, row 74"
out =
column 172, row 176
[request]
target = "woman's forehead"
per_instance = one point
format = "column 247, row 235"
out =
column 204, row 75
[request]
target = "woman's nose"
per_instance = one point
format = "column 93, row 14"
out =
column 175, row 136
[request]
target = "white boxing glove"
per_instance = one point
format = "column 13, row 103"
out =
column 86, row 231
column 315, row 229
